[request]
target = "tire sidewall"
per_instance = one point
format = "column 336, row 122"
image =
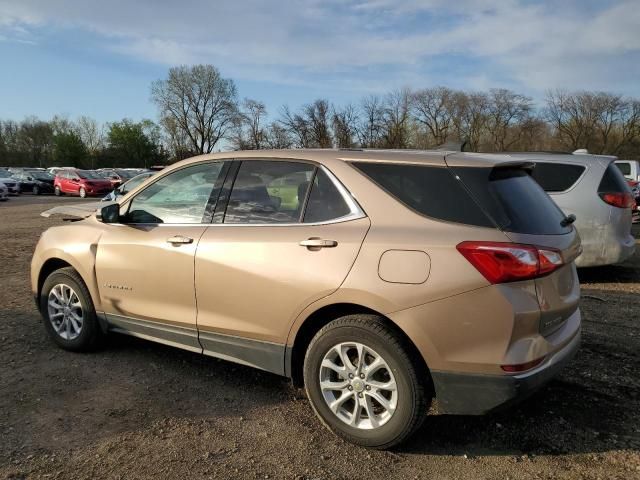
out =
column 82, row 192
column 403, row 415
column 57, row 191
column 36, row 190
column 90, row 326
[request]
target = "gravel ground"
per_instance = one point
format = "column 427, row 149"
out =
column 140, row 410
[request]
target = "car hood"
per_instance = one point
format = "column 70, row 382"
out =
column 74, row 212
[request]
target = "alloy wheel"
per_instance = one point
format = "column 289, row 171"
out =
column 65, row 311
column 358, row 385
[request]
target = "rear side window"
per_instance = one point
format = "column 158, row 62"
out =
column 556, row 177
column 325, row 201
column 513, row 200
column 613, row 181
column 269, row 192
column 431, row 191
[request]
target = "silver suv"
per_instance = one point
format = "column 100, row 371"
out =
column 593, row 189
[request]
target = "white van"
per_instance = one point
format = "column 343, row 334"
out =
column 629, row 168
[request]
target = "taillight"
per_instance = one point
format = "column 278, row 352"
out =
column 620, row 200
column 501, row 262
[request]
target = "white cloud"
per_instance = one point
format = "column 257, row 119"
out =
column 535, row 45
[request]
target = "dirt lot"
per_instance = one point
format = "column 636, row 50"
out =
column 141, row 410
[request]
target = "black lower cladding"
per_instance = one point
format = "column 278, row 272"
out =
column 477, row 394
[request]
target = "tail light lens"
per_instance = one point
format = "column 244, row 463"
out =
column 620, row 200
column 522, row 367
column 501, row 262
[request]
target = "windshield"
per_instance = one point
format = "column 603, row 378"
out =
column 41, row 175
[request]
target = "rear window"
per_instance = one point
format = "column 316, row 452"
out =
column 504, row 197
column 613, row 181
column 514, row 200
column 556, row 177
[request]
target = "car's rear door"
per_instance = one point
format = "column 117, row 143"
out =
column 145, row 264
column 288, row 236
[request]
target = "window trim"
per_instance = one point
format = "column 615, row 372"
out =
column 356, row 211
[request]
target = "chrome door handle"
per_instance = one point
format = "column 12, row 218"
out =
column 179, row 240
column 318, row 243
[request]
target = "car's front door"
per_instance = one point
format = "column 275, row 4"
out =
column 290, row 235
column 145, row 264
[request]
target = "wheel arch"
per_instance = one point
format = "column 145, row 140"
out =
column 295, row 353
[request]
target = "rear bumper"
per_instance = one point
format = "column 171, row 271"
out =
column 476, row 394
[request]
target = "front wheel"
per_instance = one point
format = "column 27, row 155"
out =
column 67, row 309
column 35, row 190
column 364, row 383
column 83, row 192
column 57, row 191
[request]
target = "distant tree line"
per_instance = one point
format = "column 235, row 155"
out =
column 200, row 112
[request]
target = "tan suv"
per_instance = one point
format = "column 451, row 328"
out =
column 378, row 279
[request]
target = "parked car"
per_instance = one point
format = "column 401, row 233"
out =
column 127, row 187
column 635, row 192
column 111, row 175
column 629, row 168
column 593, row 189
column 35, row 181
column 4, row 192
column 13, row 187
column 81, row 182
column 392, row 279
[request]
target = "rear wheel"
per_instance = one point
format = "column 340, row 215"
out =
column 82, row 192
column 57, row 191
column 363, row 383
column 69, row 316
column 35, row 190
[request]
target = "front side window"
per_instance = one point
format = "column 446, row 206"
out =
column 180, row 197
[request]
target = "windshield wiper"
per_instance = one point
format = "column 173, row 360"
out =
column 568, row 220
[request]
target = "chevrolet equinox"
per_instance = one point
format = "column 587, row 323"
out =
column 379, row 280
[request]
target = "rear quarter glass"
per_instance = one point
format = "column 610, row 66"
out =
column 613, row 181
column 556, row 177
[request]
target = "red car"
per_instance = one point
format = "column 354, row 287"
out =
column 81, row 182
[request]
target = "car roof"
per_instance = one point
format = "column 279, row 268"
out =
column 327, row 156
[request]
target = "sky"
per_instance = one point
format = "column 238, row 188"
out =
column 98, row 58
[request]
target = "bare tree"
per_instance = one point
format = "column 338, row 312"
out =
column 92, row 135
column 470, row 118
column 36, row 139
column 435, row 109
column 310, row 126
column 345, row 126
column 249, row 133
column 200, row 102
column 371, row 122
column 276, row 136
column 507, row 110
column 395, row 119
column 573, row 118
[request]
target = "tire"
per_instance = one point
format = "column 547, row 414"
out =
column 408, row 405
column 82, row 192
column 57, row 191
column 35, row 190
column 89, row 335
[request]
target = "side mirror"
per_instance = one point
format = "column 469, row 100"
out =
column 109, row 213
